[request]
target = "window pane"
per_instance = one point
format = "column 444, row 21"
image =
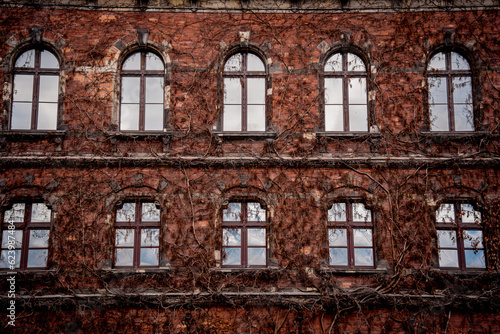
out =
column 234, row 63
column 124, row 237
column 360, row 213
column 21, row 116
column 4, row 259
column 48, row 60
column 150, row 237
column 473, row 239
column 448, row 258
column 438, row 92
column 437, row 62
column 23, row 88
column 231, row 256
column 464, row 118
column 354, row 63
column 129, row 117
column 49, row 88
column 16, row 214
column 458, row 62
column 231, row 237
column 357, row 91
column 256, row 117
column 149, row 257
column 232, row 213
column 475, row 259
column 124, row 257
column 445, row 213
column 154, row 90
column 334, row 118
column 256, row 90
column 26, row 60
column 334, row 63
column 126, row 213
column 39, row 239
column 469, row 215
column 232, row 91
column 462, row 90
column 256, row 237
column 337, row 212
column 131, row 89
column 47, row 116
column 362, row 237
column 333, row 91
column 40, row 213
column 358, row 117
column 338, row 256
column 256, row 256
column 37, row 258
column 133, row 62
column 153, row 62
column 153, row 118
column 16, row 237
column 447, row 239
column 363, row 257
column 150, row 213
column 255, row 212
column 337, row 237
column 232, row 118
column 439, row 117
column 254, row 63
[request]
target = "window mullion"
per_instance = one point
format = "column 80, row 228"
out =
column 36, row 91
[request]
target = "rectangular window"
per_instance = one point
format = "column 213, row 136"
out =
column 25, row 236
column 244, row 240
column 137, row 235
column 460, row 237
column 350, row 235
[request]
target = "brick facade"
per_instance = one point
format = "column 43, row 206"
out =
column 86, row 168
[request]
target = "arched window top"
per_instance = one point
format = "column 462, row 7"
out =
column 244, row 62
column 32, row 59
column 345, row 62
column 143, row 60
column 448, row 61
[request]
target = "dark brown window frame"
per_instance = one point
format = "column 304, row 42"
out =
column 36, row 71
column 244, row 75
column 26, row 226
column 137, row 225
column 449, row 74
column 244, row 225
column 459, row 226
column 345, row 75
column 142, row 74
column 350, row 225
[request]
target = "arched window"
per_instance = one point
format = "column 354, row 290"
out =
column 244, row 241
column 142, row 93
column 345, row 94
column 25, row 236
column 244, row 93
column 460, row 237
column 450, row 93
column 137, row 235
column 350, row 235
column 36, row 91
